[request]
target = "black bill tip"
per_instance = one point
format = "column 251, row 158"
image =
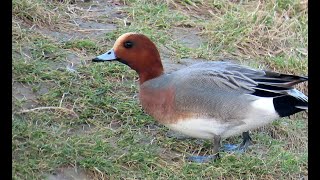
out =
column 96, row 60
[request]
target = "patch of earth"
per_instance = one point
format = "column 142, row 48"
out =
column 188, row 37
column 69, row 173
column 169, row 155
column 93, row 28
column 96, row 21
column 74, row 59
column 115, row 124
column 85, row 30
column 26, row 95
column 152, row 128
column 170, row 66
column 70, row 63
column 90, row 25
column 99, row 17
column 85, row 128
column 102, row 8
column 99, row 3
column 23, row 53
column 81, row 129
column 23, row 92
column 113, row 143
column 259, row 150
column 176, row 64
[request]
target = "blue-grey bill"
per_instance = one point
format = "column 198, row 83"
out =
column 108, row 56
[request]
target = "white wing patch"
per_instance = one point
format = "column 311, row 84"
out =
column 264, row 105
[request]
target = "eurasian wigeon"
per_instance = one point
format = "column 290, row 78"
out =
column 209, row 100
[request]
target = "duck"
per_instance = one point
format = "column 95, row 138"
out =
column 208, row 100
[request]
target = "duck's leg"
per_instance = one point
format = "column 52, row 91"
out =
column 216, row 147
column 246, row 142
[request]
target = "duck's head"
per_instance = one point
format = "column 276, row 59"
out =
column 138, row 52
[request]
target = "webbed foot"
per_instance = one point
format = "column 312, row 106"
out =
column 203, row 159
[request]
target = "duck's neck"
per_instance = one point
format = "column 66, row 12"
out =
column 150, row 73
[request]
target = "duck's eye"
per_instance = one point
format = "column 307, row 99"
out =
column 128, row 44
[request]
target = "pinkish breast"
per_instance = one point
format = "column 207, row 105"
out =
column 160, row 104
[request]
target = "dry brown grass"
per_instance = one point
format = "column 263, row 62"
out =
column 272, row 33
column 254, row 29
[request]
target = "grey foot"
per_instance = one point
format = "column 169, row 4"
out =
column 203, row 159
column 247, row 141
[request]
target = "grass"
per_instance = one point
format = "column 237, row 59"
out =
column 90, row 118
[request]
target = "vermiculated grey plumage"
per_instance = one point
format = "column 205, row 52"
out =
column 224, row 90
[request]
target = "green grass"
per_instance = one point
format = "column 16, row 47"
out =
column 94, row 120
column 86, row 45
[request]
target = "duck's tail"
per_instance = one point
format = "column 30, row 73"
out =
column 286, row 105
column 281, row 80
